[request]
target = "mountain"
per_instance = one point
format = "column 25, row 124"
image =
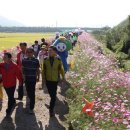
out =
column 5, row 22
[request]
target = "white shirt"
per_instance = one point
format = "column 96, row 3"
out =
column 22, row 56
column 35, row 48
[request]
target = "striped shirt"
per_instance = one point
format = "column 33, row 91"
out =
column 30, row 66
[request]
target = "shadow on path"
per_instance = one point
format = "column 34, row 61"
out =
column 7, row 124
column 61, row 109
column 26, row 121
column 54, row 125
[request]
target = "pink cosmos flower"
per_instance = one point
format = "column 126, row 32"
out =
column 125, row 122
column 115, row 120
column 128, row 127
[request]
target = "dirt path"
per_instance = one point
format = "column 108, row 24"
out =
column 21, row 120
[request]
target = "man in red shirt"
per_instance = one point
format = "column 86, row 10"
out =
column 10, row 73
column 20, row 56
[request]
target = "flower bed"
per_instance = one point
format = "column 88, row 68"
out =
column 97, row 78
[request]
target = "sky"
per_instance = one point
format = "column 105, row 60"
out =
column 66, row 13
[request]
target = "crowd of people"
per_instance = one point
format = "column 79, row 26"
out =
column 39, row 59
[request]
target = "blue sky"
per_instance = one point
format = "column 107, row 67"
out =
column 79, row 13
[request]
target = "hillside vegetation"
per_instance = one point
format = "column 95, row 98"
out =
column 117, row 39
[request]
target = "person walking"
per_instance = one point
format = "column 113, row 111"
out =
column 52, row 68
column 20, row 56
column 44, row 42
column 42, row 54
column 31, row 76
column 10, row 72
column 36, row 47
column 75, row 38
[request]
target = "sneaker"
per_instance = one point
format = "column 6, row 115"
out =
column 31, row 111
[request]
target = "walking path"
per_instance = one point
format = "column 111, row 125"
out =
column 21, row 120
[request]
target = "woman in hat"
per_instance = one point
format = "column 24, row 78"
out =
column 42, row 54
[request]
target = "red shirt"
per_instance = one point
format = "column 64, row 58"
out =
column 19, row 63
column 20, row 57
column 10, row 73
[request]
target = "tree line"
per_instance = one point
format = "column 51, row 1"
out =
column 29, row 29
column 42, row 29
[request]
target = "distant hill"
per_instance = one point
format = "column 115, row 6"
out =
column 5, row 22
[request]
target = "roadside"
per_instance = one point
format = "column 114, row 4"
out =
column 21, row 120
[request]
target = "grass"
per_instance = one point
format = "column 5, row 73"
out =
column 10, row 40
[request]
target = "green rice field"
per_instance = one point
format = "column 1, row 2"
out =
column 10, row 40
